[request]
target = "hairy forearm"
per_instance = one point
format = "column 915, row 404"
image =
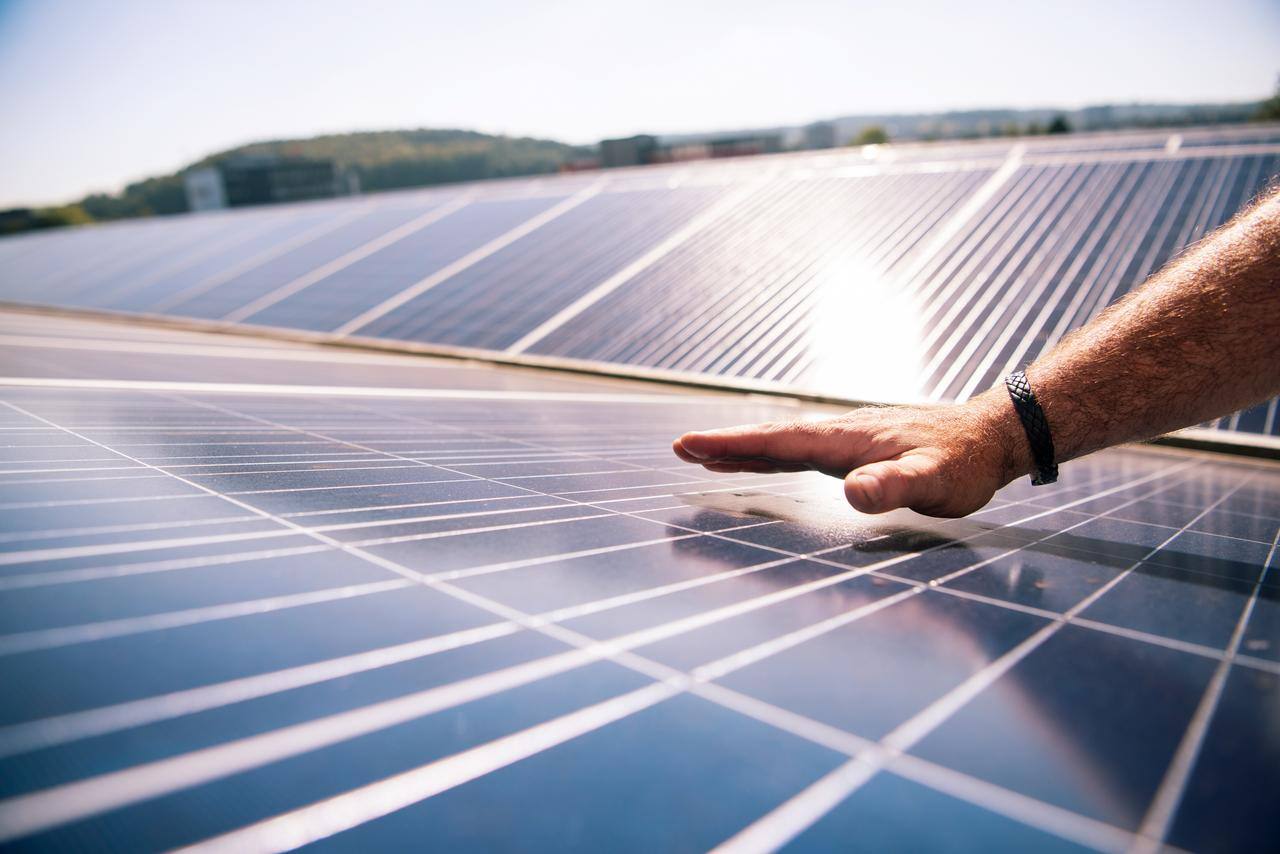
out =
column 1198, row 340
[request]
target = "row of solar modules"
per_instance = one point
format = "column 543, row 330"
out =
column 925, row 273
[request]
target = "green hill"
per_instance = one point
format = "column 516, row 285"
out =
column 388, row 160
column 384, row 160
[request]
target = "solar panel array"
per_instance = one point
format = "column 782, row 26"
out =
column 256, row 594
column 906, row 272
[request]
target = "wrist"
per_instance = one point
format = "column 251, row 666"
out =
column 997, row 423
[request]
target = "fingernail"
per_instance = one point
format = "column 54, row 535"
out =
column 695, row 452
column 870, row 488
column 691, row 451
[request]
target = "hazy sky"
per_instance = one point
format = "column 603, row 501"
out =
column 94, row 93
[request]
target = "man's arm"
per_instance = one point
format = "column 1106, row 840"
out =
column 1199, row 339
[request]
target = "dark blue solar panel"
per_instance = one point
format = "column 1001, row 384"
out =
column 1154, row 144
column 343, row 233
column 103, row 258
column 970, row 265
column 1258, row 135
column 1058, row 246
column 250, row 613
column 755, row 294
column 30, row 259
column 495, row 302
column 336, row 299
column 153, row 290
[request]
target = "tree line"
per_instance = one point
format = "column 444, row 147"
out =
column 382, row 160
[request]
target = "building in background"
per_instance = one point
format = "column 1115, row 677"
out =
column 266, row 180
column 629, row 151
column 644, row 149
column 744, row 146
column 820, row 135
column 205, row 190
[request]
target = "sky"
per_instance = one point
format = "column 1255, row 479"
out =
column 95, row 94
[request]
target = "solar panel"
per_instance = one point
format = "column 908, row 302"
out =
column 975, row 257
column 1057, row 247
column 209, row 263
column 436, row 240
column 102, row 256
column 258, row 279
column 245, row 606
column 770, row 289
column 492, row 303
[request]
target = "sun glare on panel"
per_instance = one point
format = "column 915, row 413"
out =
column 864, row 336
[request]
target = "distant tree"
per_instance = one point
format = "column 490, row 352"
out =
column 167, row 195
column 65, row 215
column 1269, row 110
column 871, row 135
column 383, row 160
column 145, row 198
column 103, row 206
column 26, row 219
column 1059, row 125
column 1035, row 129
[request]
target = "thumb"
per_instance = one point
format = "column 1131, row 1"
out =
column 890, row 484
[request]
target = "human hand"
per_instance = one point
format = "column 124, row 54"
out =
column 943, row 461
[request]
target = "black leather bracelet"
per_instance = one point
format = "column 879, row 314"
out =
column 1036, row 425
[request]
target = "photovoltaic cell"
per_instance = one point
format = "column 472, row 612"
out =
column 767, row 292
column 953, row 262
column 1057, row 247
column 1260, row 135
column 481, row 610
column 495, row 302
column 198, row 268
column 103, row 257
column 331, row 239
column 337, row 298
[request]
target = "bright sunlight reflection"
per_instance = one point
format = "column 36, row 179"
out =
column 864, row 336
